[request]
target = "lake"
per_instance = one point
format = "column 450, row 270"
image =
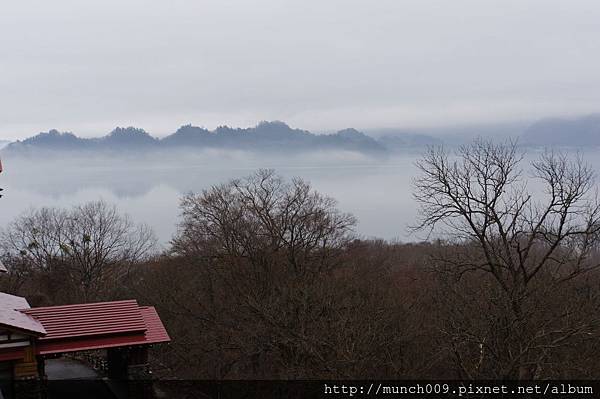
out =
column 377, row 191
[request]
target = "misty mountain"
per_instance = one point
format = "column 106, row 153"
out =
column 271, row 136
column 266, row 136
column 575, row 132
column 189, row 135
column 277, row 136
column 51, row 139
column 408, row 140
column 55, row 140
column 128, row 137
column 449, row 135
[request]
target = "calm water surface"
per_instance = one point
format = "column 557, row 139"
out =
column 377, row 192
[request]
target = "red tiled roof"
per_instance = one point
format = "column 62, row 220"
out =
column 89, row 319
column 90, row 343
column 72, row 328
column 155, row 332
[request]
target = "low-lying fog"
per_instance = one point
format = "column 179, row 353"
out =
column 148, row 188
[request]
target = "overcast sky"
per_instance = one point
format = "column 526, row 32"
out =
column 88, row 66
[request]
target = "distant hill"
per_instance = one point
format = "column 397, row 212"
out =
column 54, row 140
column 271, row 136
column 128, row 137
column 266, row 136
column 277, row 136
column 575, row 132
column 408, row 140
column 451, row 135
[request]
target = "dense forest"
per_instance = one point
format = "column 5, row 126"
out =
column 267, row 279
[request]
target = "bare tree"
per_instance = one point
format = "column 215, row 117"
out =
column 260, row 216
column 522, row 246
column 88, row 244
column 271, row 288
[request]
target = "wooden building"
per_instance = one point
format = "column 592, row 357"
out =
column 29, row 336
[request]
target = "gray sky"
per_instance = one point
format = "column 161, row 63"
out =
column 88, row 66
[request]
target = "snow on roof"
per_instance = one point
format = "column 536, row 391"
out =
column 10, row 316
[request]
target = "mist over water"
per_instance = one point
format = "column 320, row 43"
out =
column 148, row 188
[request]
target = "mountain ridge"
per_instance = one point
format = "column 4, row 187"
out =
column 266, row 136
column 277, row 136
column 571, row 132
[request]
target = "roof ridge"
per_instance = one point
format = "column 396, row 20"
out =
column 74, row 305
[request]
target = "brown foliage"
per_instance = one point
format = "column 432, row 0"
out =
column 515, row 260
column 266, row 280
